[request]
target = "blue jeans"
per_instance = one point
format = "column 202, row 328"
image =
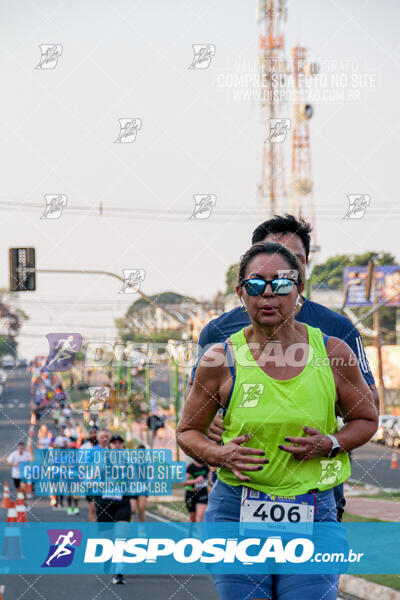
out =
column 224, row 505
column 340, row 500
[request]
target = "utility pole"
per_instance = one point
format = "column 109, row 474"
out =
column 177, row 402
column 147, row 396
column 128, row 378
column 376, row 320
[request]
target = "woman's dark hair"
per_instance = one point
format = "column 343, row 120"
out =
column 283, row 225
column 270, row 248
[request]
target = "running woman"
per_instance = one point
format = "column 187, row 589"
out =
column 139, row 504
column 196, row 495
column 279, row 415
column 295, row 234
column 113, row 508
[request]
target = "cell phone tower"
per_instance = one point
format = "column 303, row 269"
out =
column 301, row 181
column 272, row 191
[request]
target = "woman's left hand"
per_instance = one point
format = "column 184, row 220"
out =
column 315, row 444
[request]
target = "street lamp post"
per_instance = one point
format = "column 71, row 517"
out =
column 128, row 378
column 147, row 397
column 177, row 402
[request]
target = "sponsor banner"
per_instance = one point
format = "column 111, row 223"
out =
column 201, row 548
column 387, row 284
column 98, row 471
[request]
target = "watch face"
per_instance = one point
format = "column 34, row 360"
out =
column 334, row 452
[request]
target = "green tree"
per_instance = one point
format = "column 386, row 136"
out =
column 163, row 298
column 231, row 278
column 7, row 346
column 128, row 327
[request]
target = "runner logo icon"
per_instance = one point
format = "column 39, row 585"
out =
column 203, row 54
column 251, row 394
column 330, row 471
column 62, row 547
column 63, row 348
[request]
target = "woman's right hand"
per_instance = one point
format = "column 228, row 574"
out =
column 239, row 458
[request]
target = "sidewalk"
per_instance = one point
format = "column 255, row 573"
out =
column 386, row 510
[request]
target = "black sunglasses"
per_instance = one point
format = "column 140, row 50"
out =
column 256, row 286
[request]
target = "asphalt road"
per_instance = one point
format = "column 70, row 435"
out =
column 14, row 425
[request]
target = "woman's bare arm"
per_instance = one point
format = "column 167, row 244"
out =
column 201, row 406
column 210, row 391
column 356, row 401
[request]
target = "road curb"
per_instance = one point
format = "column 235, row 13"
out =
column 366, row 590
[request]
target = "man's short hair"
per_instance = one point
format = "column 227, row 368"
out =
column 284, row 225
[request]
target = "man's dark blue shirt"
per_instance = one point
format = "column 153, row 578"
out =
column 311, row 313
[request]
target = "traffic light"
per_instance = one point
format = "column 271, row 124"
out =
column 20, row 260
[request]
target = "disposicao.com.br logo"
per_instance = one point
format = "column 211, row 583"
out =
column 192, row 550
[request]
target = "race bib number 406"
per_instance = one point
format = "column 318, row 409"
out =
column 276, row 512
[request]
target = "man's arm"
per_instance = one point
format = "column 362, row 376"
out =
column 375, row 396
column 355, row 399
column 354, row 340
column 10, row 459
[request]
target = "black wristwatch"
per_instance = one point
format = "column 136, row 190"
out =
column 335, row 446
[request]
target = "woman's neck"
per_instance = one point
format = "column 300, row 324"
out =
column 285, row 333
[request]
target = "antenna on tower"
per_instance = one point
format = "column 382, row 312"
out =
column 301, row 183
column 271, row 14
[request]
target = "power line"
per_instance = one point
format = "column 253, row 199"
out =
column 177, row 215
